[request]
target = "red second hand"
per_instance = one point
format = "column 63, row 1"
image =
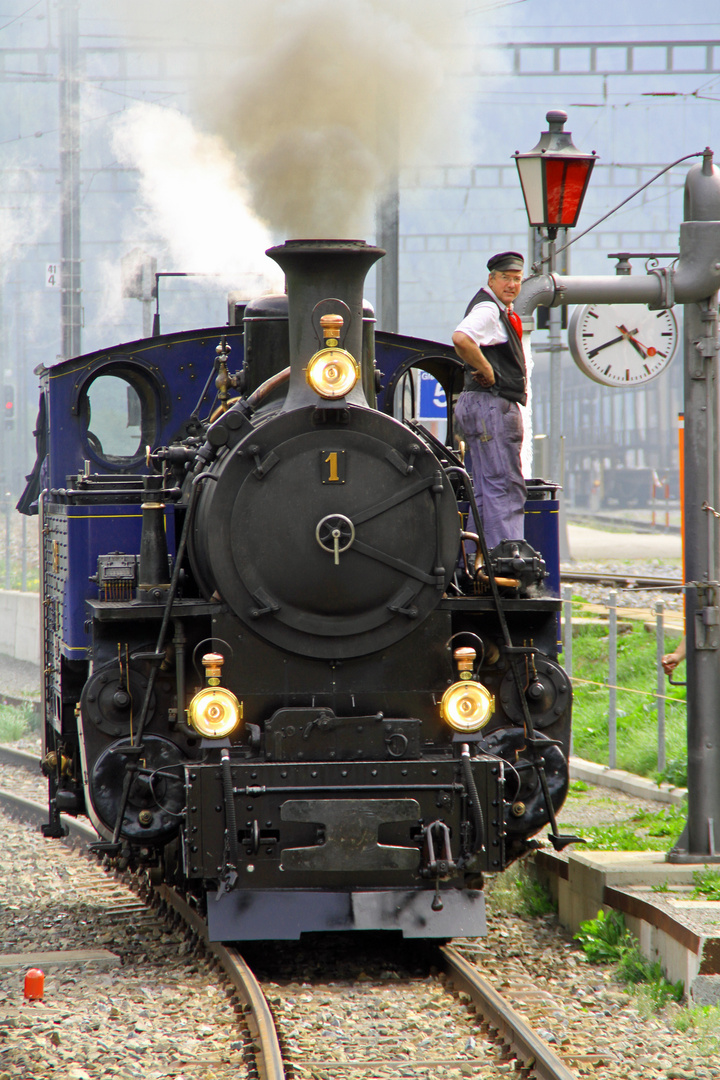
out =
column 648, row 350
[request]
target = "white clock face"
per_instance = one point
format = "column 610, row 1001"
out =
column 622, row 344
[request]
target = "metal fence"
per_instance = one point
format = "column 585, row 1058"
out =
column 660, row 696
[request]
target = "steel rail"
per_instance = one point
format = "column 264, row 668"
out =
column 513, row 1029
column 624, row 524
column 9, row 755
column 38, row 814
column 528, row 1047
column 640, row 582
column 257, row 1015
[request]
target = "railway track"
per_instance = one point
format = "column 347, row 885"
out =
column 498, row 1034
column 626, row 524
column 623, row 581
column 251, row 1001
column 21, row 759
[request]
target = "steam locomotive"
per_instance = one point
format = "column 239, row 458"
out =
column 279, row 672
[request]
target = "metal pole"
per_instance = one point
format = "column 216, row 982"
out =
column 567, row 628
column 147, row 309
column 701, row 490
column 563, row 541
column 694, row 282
column 23, row 578
column 702, row 502
column 557, row 463
column 659, row 652
column 567, row 637
column 7, row 539
column 71, row 302
column 555, row 325
column 612, row 680
column 388, row 221
column 388, row 227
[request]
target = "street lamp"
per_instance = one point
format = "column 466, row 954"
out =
column 554, row 176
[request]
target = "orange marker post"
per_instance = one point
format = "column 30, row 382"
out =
column 34, row 985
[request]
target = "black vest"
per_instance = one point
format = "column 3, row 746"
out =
column 507, row 359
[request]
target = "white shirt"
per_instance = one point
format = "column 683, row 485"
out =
column 483, row 325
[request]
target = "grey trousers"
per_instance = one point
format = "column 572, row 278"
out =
column 493, row 429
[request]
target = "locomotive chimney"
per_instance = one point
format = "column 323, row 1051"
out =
column 153, row 572
column 324, row 277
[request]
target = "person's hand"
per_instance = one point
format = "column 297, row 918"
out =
column 485, row 376
column 669, row 662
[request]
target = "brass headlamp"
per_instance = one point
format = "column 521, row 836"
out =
column 214, row 712
column 467, row 705
column 332, row 372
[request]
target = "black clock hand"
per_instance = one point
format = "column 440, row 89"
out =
column 607, row 345
column 636, row 345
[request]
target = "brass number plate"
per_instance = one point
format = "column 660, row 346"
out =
column 332, row 468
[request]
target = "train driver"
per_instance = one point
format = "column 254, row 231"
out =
column 488, row 409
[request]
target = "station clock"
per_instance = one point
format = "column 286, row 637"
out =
column 622, row 344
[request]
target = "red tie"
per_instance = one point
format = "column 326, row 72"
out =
column 516, row 322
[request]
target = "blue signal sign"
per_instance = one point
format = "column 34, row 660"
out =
column 433, row 403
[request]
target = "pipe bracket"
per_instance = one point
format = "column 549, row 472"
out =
column 666, row 276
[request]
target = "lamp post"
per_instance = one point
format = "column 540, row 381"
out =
column 694, row 281
column 554, row 176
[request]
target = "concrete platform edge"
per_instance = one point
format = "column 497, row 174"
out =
column 582, row 884
column 619, row 780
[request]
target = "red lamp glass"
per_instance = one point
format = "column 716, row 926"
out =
column 554, row 176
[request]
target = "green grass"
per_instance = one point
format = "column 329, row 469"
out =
column 606, row 940
column 17, row 721
column 32, row 575
column 703, row 1023
column 518, row 892
column 636, row 707
column 646, row 830
column 707, row 884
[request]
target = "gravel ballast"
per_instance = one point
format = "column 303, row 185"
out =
column 159, row 1014
column 628, row 598
column 587, row 1017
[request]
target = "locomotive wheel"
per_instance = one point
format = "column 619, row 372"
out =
column 111, row 697
column 157, row 792
column 547, row 694
column 329, row 541
column 528, row 811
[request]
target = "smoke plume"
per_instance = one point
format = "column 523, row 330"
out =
column 190, row 183
column 319, row 102
column 23, row 213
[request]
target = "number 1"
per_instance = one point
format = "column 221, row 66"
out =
column 332, row 461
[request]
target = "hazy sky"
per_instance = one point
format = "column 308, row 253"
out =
column 281, row 125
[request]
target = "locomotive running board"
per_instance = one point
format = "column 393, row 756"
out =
column 285, row 914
